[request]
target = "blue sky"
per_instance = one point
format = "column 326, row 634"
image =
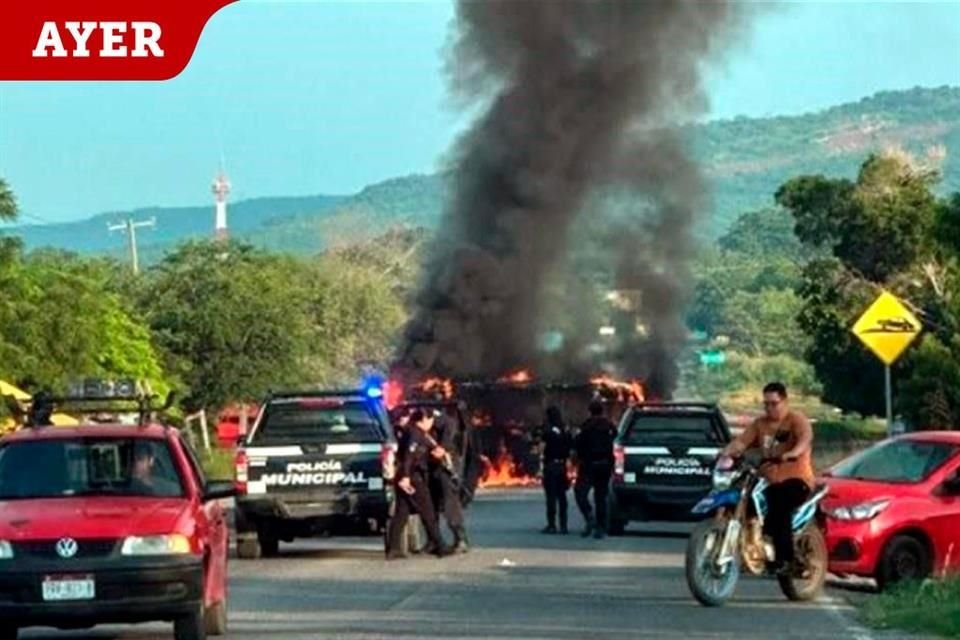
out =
column 326, row 97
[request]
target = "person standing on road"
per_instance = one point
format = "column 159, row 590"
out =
column 448, row 486
column 594, row 451
column 557, row 444
column 785, row 438
column 413, row 488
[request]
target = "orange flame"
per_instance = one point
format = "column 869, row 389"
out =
column 520, row 376
column 443, row 386
column 627, row 391
column 503, row 472
column 392, row 393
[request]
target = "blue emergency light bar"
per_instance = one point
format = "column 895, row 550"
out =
column 373, row 386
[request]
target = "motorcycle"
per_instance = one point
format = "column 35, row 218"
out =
column 732, row 540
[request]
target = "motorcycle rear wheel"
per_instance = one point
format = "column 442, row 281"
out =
column 711, row 586
column 811, row 555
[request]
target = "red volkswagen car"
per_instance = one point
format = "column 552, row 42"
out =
column 109, row 524
column 893, row 510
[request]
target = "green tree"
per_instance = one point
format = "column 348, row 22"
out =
column 878, row 226
column 59, row 323
column 883, row 232
column 766, row 234
column 764, row 323
column 930, row 396
column 230, row 321
column 8, row 202
column 354, row 319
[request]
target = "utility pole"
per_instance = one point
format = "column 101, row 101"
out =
column 131, row 228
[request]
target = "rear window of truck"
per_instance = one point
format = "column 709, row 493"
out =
column 662, row 429
column 313, row 421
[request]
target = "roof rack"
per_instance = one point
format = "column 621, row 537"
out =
column 43, row 405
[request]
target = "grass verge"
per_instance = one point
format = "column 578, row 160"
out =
column 217, row 464
column 930, row 608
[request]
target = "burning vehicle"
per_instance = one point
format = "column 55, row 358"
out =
column 506, row 412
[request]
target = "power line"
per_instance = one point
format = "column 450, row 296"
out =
column 131, row 228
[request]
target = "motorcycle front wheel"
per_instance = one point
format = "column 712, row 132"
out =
column 806, row 583
column 710, row 584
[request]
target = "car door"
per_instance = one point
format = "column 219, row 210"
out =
column 212, row 522
column 944, row 521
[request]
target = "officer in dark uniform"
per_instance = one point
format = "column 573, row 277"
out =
column 557, row 443
column 448, row 485
column 594, row 449
column 413, row 487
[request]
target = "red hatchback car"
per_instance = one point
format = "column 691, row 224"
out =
column 110, row 524
column 893, row 510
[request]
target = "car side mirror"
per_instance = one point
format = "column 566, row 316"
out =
column 219, row 490
column 950, row 485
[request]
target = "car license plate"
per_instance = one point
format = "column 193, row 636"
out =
column 57, row 588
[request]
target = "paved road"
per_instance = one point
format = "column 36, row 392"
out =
column 549, row 587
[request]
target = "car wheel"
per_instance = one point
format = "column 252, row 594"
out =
column 215, row 619
column 904, row 559
column 191, row 626
column 269, row 545
column 249, row 549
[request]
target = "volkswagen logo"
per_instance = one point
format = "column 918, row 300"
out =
column 67, row 547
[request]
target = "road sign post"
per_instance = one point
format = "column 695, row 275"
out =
column 887, row 328
column 888, row 390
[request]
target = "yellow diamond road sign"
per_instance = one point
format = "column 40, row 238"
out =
column 887, row 328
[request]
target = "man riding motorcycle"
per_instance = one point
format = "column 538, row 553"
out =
column 785, row 439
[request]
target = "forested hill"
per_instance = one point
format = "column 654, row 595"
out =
column 746, row 159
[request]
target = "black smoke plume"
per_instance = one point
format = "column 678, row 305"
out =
column 577, row 96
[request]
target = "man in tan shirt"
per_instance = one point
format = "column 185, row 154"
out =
column 785, row 438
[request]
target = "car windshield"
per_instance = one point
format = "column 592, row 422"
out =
column 320, row 421
column 646, row 428
column 906, row 461
column 88, row 466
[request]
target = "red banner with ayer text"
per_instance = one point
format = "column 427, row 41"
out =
column 100, row 39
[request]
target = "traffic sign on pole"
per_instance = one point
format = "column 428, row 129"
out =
column 887, row 328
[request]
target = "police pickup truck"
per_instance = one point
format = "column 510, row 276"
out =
column 664, row 455
column 314, row 463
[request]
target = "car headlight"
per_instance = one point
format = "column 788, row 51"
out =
column 862, row 511
column 6, row 550
column 173, row 544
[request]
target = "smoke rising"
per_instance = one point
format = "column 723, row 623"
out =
column 577, row 96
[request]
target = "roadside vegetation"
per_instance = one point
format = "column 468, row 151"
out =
column 929, row 608
column 218, row 464
column 775, row 296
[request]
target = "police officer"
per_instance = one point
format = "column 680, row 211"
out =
column 556, row 443
column 448, row 485
column 594, row 449
column 413, row 488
